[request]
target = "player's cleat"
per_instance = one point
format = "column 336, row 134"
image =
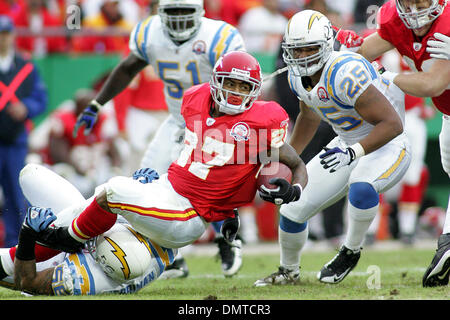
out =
column 337, row 269
column 230, row 255
column 438, row 272
column 282, row 277
column 178, row 269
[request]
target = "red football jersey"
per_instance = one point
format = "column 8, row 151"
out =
column 217, row 169
column 413, row 49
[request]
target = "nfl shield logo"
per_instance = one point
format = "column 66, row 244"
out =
column 240, row 131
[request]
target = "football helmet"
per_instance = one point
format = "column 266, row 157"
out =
column 235, row 65
column 122, row 253
column 181, row 27
column 307, row 28
column 413, row 18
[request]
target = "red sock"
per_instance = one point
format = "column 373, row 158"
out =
column 94, row 220
column 42, row 253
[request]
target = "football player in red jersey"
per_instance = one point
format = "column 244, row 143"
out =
column 228, row 135
column 410, row 26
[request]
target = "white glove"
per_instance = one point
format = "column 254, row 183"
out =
column 439, row 49
column 336, row 158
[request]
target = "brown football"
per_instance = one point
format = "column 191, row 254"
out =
column 273, row 170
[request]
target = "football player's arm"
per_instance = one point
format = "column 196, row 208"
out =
column 374, row 46
column 305, row 127
column 289, row 156
column 374, row 108
column 431, row 83
column 27, row 279
column 120, row 77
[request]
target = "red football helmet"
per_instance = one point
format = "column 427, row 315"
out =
column 235, row 65
column 414, row 17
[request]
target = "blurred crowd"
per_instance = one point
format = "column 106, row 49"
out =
column 80, row 26
column 46, row 27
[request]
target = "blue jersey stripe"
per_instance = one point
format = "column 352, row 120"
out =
column 138, row 27
column 144, row 43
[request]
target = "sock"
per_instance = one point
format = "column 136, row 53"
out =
column 42, row 253
column 407, row 216
column 216, row 226
column 358, row 223
column 447, row 219
column 94, row 220
column 292, row 238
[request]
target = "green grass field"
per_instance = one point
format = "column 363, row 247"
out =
column 400, row 278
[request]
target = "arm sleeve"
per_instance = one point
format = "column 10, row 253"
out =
column 278, row 127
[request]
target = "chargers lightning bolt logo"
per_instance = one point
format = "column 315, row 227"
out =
column 313, row 17
column 120, row 254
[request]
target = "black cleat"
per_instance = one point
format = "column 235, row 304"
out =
column 438, row 272
column 337, row 269
column 230, row 255
column 178, row 269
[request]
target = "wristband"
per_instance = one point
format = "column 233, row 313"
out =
column 359, row 150
column 25, row 247
column 96, row 104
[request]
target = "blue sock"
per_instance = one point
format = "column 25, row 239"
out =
column 291, row 226
column 217, row 225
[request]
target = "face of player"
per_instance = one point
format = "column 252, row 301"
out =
column 417, row 6
column 236, row 88
column 180, row 12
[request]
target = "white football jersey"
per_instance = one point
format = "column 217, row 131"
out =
column 182, row 66
column 345, row 76
column 80, row 274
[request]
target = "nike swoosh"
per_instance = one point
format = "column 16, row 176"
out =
column 337, row 279
column 444, row 275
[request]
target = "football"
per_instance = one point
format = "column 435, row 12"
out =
column 271, row 170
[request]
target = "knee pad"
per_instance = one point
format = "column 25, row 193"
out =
column 362, row 195
column 291, row 226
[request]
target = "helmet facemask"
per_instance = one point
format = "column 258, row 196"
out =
column 414, row 18
column 181, row 21
column 309, row 65
column 232, row 102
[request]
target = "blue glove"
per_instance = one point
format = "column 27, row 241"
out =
column 336, row 158
column 145, row 175
column 88, row 117
column 38, row 218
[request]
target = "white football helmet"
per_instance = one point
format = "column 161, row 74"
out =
column 181, row 27
column 122, row 253
column 413, row 18
column 307, row 28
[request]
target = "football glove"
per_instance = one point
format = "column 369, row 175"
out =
column 439, row 49
column 349, row 40
column 145, row 175
column 337, row 158
column 285, row 192
column 38, row 218
column 88, row 118
column 230, row 228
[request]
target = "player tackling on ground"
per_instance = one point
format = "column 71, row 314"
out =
column 182, row 46
column 228, row 133
column 370, row 154
column 420, row 31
